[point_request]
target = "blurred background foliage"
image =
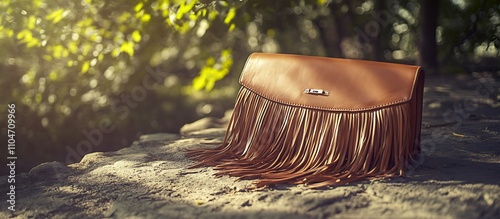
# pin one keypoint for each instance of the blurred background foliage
(93, 75)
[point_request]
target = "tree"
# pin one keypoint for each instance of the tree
(71, 66)
(427, 44)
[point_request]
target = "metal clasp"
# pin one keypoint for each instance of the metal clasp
(317, 92)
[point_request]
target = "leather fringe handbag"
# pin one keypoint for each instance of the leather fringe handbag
(320, 121)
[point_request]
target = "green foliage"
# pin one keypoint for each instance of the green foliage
(213, 71)
(94, 32)
(472, 34)
(70, 64)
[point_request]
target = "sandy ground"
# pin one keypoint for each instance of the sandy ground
(458, 177)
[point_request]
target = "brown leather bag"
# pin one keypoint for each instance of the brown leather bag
(320, 121)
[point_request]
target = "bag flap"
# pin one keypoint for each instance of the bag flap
(338, 84)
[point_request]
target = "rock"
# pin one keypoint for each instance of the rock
(49, 170)
(208, 133)
(207, 123)
(159, 137)
(93, 158)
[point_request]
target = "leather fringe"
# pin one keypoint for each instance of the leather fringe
(276, 143)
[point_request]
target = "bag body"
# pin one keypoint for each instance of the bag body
(320, 121)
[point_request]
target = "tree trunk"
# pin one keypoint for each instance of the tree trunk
(427, 45)
(330, 36)
(377, 42)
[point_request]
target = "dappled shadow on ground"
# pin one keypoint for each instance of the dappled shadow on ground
(458, 171)
(114, 197)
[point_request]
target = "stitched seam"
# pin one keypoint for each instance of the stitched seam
(415, 74)
(326, 108)
(336, 109)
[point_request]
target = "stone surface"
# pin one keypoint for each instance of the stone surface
(458, 176)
